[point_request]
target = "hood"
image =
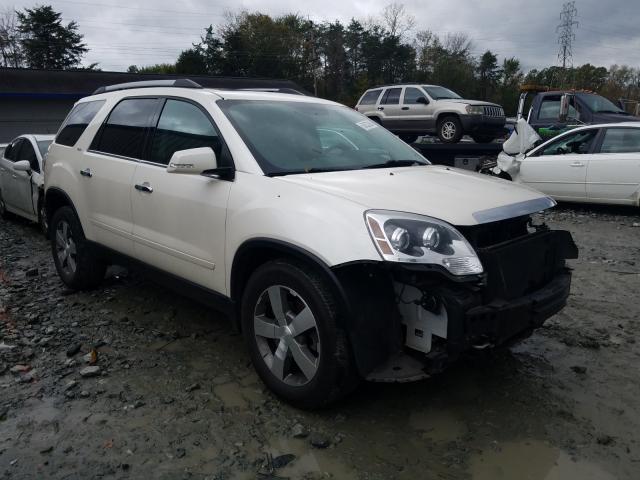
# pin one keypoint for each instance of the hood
(456, 196)
(471, 102)
(614, 118)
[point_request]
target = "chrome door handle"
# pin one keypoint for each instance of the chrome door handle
(86, 173)
(577, 164)
(14, 176)
(144, 187)
(380, 108)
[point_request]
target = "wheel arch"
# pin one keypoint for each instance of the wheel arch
(447, 113)
(256, 252)
(55, 198)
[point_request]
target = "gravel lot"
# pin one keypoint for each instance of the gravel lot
(168, 391)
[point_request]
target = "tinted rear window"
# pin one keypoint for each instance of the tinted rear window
(125, 130)
(370, 98)
(392, 96)
(77, 122)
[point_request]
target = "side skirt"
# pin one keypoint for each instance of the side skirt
(200, 294)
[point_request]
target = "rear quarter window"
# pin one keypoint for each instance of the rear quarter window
(77, 122)
(370, 98)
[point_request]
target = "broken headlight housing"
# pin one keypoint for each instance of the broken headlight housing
(410, 238)
(475, 109)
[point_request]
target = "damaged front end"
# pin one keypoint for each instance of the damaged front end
(409, 320)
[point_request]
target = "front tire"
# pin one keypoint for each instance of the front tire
(450, 129)
(76, 261)
(289, 322)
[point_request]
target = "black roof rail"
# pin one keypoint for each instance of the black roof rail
(398, 85)
(181, 82)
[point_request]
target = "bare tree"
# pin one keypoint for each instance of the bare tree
(10, 51)
(397, 20)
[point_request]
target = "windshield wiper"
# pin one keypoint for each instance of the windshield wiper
(396, 163)
(308, 170)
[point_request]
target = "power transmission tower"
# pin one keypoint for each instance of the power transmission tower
(565, 33)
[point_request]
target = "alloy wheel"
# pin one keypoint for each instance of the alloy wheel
(66, 248)
(286, 333)
(448, 130)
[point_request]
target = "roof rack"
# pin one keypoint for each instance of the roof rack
(181, 82)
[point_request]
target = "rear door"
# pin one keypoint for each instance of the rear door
(108, 168)
(179, 219)
(560, 168)
(613, 174)
(390, 108)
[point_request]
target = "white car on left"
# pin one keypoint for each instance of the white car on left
(22, 177)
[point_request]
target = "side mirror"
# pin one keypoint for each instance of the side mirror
(564, 108)
(198, 161)
(22, 166)
(422, 100)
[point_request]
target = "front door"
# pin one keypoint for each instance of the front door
(179, 219)
(7, 182)
(560, 169)
(416, 116)
(614, 171)
(23, 190)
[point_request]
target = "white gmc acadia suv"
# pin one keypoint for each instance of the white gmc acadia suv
(338, 251)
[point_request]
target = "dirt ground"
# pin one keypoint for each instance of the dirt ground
(175, 397)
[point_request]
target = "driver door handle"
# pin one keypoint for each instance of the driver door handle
(144, 187)
(577, 164)
(405, 108)
(380, 108)
(86, 173)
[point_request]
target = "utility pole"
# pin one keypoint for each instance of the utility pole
(565, 33)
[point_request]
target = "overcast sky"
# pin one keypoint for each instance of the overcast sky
(120, 33)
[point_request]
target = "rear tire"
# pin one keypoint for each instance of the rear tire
(42, 219)
(450, 129)
(77, 263)
(288, 318)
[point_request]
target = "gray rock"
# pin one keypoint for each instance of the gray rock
(319, 441)
(70, 385)
(84, 394)
(299, 431)
(73, 350)
(90, 371)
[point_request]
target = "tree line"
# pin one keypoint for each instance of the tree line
(333, 60)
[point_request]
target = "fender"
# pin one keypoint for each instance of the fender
(373, 330)
(54, 198)
(257, 251)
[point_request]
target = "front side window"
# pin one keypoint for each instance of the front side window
(182, 126)
(77, 121)
(28, 153)
(411, 95)
(550, 109)
(299, 137)
(370, 98)
(598, 104)
(621, 140)
(576, 143)
(126, 127)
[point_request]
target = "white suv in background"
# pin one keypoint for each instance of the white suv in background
(337, 249)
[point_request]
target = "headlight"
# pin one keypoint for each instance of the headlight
(409, 238)
(475, 109)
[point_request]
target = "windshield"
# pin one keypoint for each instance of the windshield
(301, 137)
(598, 104)
(440, 93)
(43, 145)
